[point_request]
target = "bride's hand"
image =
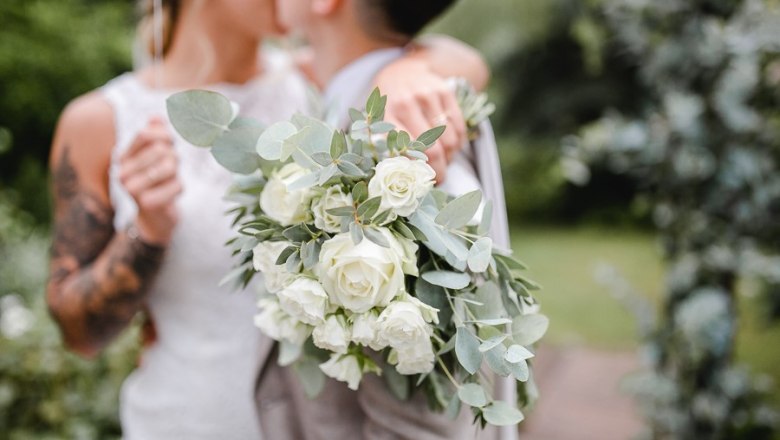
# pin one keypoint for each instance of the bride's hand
(417, 100)
(149, 172)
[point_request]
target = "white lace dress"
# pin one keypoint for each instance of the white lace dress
(197, 380)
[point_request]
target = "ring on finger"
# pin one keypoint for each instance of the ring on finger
(152, 174)
(441, 119)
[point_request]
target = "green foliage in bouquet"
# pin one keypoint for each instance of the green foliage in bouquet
(367, 267)
(706, 153)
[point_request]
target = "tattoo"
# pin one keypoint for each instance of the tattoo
(99, 278)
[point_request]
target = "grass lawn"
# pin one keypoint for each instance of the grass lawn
(564, 262)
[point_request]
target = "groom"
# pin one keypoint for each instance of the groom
(352, 41)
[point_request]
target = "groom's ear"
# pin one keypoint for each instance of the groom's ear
(326, 7)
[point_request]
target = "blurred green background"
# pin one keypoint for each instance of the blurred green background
(553, 72)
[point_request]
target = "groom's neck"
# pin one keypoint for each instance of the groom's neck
(337, 43)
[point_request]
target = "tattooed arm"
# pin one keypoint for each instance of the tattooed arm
(99, 277)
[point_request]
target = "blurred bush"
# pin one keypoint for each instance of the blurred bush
(50, 52)
(706, 153)
(46, 393)
(554, 70)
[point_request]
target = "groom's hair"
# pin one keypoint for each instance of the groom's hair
(398, 20)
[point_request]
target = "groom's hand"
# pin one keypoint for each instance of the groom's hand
(418, 100)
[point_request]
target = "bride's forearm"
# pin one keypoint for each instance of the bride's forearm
(98, 277)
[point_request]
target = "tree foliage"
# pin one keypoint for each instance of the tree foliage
(45, 392)
(705, 151)
(50, 52)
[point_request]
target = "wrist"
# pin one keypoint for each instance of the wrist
(141, 232)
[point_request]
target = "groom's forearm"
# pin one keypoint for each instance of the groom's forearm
(448, 57)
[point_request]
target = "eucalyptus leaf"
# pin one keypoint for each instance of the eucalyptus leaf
(467, 350)
(356, 232)
(199, 116)
(304, 182)
(367, 209)
(327, 173)
(235, 149)
(360, 192)
(519, 370)
(447, 347)
(381, 127)
(447, 279)
(269, 144)
(459, 212)
(473, 394)
(453, 407)
(345, 211)
(356, 115)
(480, 255)
(500, 413)
(432, 135)
(352, 158)
(310, 253)
(496, 362)
(338, 144)
(436, 297)
(382, 217)
(289, 353)
(294, 262)
(398, 383)
(232, 277)
(375, 106)
(492, 343)
(285, 254)
(312, 378)
(517, 353)
(321, 158)
(401, 227)
(297, 233)
(487, 218)
(350, 169)
(490, 296)
(376, 237)
(528, 329)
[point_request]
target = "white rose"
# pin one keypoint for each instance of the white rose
(343, 368)
(417, 359)
(364, 330)
(361, 277)
(332, 198)
(264, 259)
(278, 325)
(284, 206)
(402, 183)
(402, 326)
(305, 300)
(332, 335)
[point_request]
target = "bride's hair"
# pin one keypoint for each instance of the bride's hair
(170, 11)
(145, 47)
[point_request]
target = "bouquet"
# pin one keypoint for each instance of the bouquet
(368, 268)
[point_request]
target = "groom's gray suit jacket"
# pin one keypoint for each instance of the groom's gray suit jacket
(372, 412)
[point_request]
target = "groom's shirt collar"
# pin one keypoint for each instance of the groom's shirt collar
(351, 85)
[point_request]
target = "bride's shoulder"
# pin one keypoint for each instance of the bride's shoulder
(86, 129)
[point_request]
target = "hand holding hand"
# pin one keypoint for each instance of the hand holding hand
(418, 100)
(149, 172)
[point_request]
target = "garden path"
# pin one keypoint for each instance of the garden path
(581, 397)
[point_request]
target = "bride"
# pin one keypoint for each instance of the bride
(138, 224)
